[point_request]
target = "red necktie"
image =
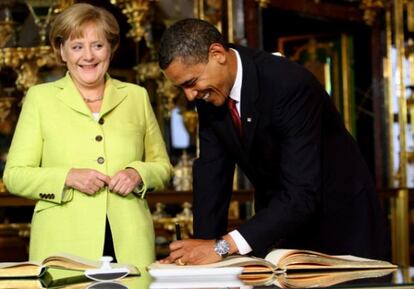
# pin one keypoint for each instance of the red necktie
(235, 116)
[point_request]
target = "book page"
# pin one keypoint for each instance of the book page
(21, 269)
(231, 261)
(325, 279)
(275, 256)
(72, 262)
(305, 259)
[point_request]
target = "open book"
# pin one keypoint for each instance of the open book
(294, 279)
(314, 278)
(61, 261)
(277, 261)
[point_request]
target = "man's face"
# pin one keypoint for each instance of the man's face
(208, 81)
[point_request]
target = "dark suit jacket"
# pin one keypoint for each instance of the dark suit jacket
(313, 189)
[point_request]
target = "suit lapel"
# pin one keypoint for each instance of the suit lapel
(221, 121)
(223, 126)
(249, 112)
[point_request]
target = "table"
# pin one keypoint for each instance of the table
(401, 278)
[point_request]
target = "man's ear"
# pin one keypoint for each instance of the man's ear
(218, 52)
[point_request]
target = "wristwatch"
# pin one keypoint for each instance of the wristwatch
(222, 247)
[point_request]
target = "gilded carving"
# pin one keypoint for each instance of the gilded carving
(137, 13)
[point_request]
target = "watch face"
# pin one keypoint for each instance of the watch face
(222, 247)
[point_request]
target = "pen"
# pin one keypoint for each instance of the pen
(177, 231)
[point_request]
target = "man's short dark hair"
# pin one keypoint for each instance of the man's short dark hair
(189, 39)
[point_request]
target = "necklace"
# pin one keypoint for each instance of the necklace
(88, 100)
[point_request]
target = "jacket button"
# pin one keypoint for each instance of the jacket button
(100, 160)
(101, 121)
(98, 138)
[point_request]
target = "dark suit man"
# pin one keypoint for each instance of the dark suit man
(313, 189)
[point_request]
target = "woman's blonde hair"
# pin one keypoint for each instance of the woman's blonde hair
(70, 24)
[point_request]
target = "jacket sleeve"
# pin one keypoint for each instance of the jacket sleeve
(155, 168)
(23, 174)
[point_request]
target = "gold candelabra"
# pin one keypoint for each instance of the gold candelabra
(137, 12)
(184, 218)
(42, 21)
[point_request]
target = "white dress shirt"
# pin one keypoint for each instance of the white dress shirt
(235, 94)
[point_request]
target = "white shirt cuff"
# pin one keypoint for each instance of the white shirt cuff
(241, 243)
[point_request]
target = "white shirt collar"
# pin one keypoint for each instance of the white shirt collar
(235, 92)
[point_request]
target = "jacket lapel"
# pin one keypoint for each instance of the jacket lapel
(71, 97)
(222, 122)
(113, 96)
(223, 126)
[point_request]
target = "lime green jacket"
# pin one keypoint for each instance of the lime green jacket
(56, 132)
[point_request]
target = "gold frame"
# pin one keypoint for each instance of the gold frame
(203, 9)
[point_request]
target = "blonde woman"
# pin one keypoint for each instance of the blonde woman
(88, 148)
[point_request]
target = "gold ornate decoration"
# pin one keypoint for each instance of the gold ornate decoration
(263, 3)
(6, 30)
(167, 223)
(42, 21)
(61, 5)
(183, 177)
(27, 61)
(211, 11)
(6, 27)
(169, 92)
(159, 212)
(148, 70)
(6, 104)
(137, 12)
(190, 118)
(370, 8)
(184, 219)
(410, 15)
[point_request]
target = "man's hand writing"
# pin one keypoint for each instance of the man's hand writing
(192, 252)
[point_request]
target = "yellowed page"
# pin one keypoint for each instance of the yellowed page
(288, 259)
(20, 269)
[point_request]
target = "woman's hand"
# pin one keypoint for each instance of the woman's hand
(124, 181)
(86, 180)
